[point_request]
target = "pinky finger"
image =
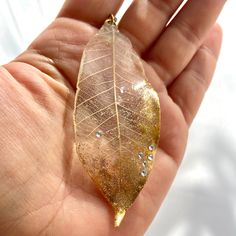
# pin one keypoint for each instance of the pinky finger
(188, 90)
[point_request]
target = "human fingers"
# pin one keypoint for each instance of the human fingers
(188, 89)
(145, 20)
(182, 38)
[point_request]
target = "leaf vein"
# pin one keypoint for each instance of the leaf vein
(124, 78)
(95, 73)
(145, 118)
(97, 58)
(100, 125)
(131, 130)
(95, 113)
(94, 96)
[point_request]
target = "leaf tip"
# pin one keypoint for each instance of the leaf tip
(119, 215)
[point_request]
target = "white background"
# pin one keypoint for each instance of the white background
(202, 200)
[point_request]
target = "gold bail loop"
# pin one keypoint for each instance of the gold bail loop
(111, 20)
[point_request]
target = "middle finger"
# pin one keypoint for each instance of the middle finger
(145, 20)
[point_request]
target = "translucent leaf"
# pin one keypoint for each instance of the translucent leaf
(116, 118)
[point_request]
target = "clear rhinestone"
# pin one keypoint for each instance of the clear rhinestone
(144, 163)
(151, 147)
(99, 134)
(143, 173)
(122, 89)
(150, 157)
(141, 155)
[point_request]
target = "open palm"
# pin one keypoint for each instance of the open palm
(43, 188)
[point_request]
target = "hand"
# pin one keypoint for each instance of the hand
(43, 188)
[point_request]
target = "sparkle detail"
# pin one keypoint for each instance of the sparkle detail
(141, 155)
(150, 157)
(151, 147)
(122, 89)
(99, 134)
(143, 173)
(144, 163)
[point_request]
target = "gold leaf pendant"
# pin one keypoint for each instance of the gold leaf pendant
(116, 118)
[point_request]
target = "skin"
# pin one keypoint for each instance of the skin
(43, 188)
